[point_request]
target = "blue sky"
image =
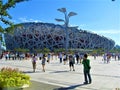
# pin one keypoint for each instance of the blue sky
(99, 16)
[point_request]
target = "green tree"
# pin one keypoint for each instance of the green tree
(5, 16)
(46, 50)
(99, 51)
(59, 50)
(115, 50)
(38, 50)
(24, 50)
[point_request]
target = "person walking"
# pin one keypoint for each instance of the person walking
(60, 57)
(34, 59)
(43, 62)
(86, 70)
(48, 57)
(65, 58)
(104, 58)
(71, 62)
(77, 58)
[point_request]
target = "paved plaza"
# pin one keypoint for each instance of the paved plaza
(58, 77)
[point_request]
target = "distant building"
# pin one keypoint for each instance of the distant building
(46, 35)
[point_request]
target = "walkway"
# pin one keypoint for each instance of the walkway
(58, 76)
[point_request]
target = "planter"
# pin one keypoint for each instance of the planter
(15, 88)
(10, 88)
(13, 79)
(25, 86)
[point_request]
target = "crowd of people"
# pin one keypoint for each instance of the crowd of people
(107, 57)
(63, 57)
(71, 59)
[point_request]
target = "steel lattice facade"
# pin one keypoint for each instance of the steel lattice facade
(46, 35)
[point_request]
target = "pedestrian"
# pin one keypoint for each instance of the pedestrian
(77, 58)
(48, 57)
(74, 56)
(71, 62)
(60, 57)
(104, 58)
(87, 67)
(40, 55)
(6, 56)
(43, 62)
(64, 58)
(34, 59)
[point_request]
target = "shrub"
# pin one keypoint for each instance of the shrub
(13, 78)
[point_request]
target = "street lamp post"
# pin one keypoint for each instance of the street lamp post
(66, 22)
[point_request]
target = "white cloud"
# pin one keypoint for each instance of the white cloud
(107, 31)
(28, 20)
(14, 21)
(23, 19)
(82, 25)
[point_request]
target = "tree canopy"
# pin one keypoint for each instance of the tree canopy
(5, 16)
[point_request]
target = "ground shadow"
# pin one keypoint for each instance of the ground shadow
(59, 71)
(30, 72)
(69, 88)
